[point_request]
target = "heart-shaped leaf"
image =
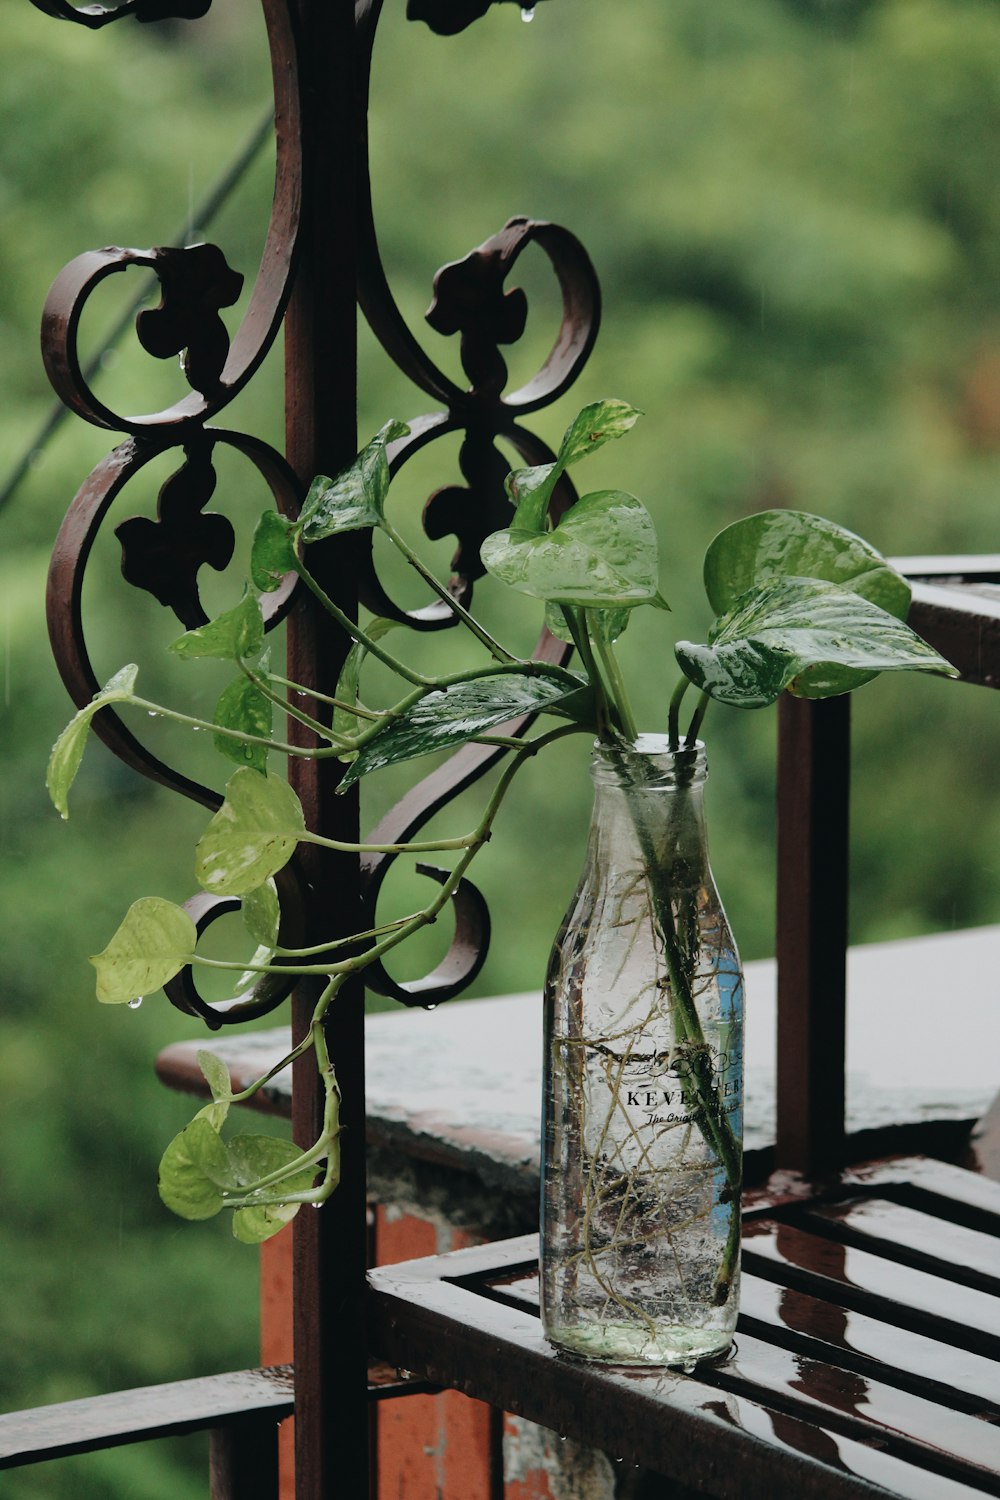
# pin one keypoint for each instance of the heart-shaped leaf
(355, 499)
(602, 624)
(243, 706)
(216, 1075)
(200, 1172)
(796, 633)
(596, 425)
(195, 1170)
(237, 635)
(250, 838)
(153, 943)
(256, 1156)
(67, 752)
(272, 555)
(261, 913)
(345, 722)
(794, 544)
(603, 554)
(458, 714)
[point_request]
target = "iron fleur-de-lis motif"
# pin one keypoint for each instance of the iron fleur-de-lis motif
(164, 556)
(196, 283)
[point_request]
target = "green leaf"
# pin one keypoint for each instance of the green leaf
(237, 635)
(250, 838)
(153, 943)
(789, 543)
(263, 954)
(199, 1171)
(195, 1170)
(530, 490)
(797, 633)
(216, 1075)
(253, 1157)
(354, 500)
(344, 722)
(215, 1113)
(606, 624)
(793, 544)
(459, 713)
(243, 706)
(67, 752)
(596, 425)
(261, 913)
(272, 555)
(603, 554)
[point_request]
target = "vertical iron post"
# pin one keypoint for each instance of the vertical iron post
(331, 1447)
(813, 799)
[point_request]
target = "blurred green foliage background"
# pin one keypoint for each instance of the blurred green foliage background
(792, 208)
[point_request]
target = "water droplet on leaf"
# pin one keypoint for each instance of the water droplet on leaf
(134, 1004)
(527, 13)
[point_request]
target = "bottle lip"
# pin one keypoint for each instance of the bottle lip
(649, 764)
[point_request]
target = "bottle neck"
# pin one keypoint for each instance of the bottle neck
(648, 804)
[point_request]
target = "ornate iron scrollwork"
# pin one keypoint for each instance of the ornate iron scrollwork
(164, 556)
(143, 10)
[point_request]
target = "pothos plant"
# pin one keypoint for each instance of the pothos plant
(801, 606)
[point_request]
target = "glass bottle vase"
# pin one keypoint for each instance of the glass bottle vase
(643, 1115)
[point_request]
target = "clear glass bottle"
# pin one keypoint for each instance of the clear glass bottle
(643, 1122)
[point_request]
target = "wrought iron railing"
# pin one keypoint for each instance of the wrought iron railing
(321, 259)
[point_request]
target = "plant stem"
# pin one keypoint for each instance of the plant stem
(708, 1114)
(357, 634)
(341, 703)
(673, 717)
(159, 711)
(458, 609)
(617, 684)
(696, 718)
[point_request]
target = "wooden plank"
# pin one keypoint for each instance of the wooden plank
(850, 1340)
(914, 1299)
(912, 1237)
(856, 1341)
(915, 1429)
(151, 1411)
(962, 1196)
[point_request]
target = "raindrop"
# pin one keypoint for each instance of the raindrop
(527, 13)
(153, 714)
(134, 1004)
(432, 1006)
(248, 752)
(689, 1366)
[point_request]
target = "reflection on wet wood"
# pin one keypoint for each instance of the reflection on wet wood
(913, 1237)
(912, 1361)
(844, 1274)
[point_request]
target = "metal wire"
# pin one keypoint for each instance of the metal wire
(203, 214)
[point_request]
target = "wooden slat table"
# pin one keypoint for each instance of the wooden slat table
(847, 1379)
(867, 1359)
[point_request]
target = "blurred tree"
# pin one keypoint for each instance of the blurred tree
(790, 206)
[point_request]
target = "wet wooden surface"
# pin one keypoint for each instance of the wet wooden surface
(461, 1086)
(854, 1373)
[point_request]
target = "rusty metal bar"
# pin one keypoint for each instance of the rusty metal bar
(331, 1419)
(813, 803)
(243, 1460)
